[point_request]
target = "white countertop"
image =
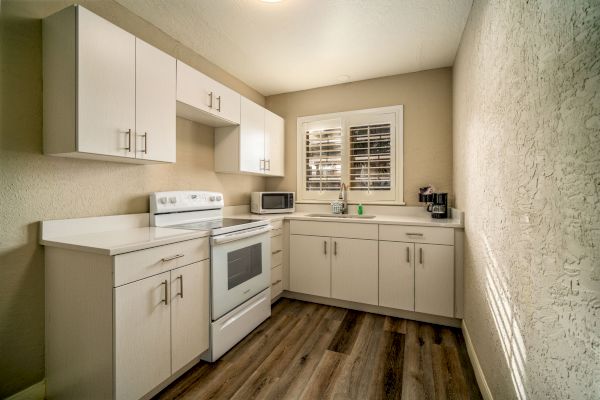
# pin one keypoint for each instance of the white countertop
(118, 234)
(379, 219)
(123, 241)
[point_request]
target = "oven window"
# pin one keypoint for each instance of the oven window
(274, 201)
(243, 264)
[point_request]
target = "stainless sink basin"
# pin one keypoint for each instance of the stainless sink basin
(326, 215)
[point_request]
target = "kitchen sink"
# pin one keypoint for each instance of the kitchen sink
(328, 215)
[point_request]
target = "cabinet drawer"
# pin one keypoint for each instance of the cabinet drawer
(277, 225)
(335, 229)
(276, 281)
(417, 234)
(276, 258)
(136, 265)
(276, 243)
(276, 232)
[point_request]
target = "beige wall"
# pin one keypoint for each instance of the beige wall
(34, 187)
(527, 175)
(427, 100)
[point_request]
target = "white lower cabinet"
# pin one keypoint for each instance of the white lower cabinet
(310, 265)
(397, 275)
(142, 336)
(120, 326)
(434, 279)
(161, 324)
(390, 266)
(189, 313)
(354, 270)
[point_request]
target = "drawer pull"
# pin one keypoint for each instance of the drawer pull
(414, 234)
(172, 257)
(276, 282)
(166, 299)
(276, 252)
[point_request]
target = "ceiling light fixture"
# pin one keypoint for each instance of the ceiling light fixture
(271, 1)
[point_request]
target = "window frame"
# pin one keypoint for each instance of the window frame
(392, 197)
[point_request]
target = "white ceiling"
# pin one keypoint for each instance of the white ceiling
(301, 44)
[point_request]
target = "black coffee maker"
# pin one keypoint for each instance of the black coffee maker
(437, 204)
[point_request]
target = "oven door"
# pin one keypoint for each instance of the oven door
(240, 268)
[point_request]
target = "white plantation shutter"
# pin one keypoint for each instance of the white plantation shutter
(362, 148)
(323, 156)
(370, 157)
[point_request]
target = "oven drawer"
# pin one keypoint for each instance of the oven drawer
(276, 281)
(137, 265)
(417, 234)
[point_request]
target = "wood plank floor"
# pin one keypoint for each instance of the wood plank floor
(312, 351)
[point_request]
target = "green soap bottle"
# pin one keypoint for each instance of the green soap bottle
(360, 209)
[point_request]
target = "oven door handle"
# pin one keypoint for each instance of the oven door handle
(238, 236)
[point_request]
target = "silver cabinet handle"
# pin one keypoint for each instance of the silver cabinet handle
(172, 257)
(210, 96)
(268, 165)
(276, 282)
(335, 248)
(407, 254)
(276, 252)
(128, 133)
(180, 277)
(325, 246)
(145, 149)
(262, 165)
(166, 299)
(219, 103)
(414, 234)
(420, 255)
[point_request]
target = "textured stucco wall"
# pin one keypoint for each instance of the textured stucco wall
(427, 100)
(527, 174)
(34, 187)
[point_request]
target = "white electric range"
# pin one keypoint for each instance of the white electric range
(240, 297)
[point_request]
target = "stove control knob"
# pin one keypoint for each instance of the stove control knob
(172, 200)
(219, 198)
(162, 200)
(212, 198)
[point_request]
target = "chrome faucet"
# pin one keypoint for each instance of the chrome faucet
(344, 198)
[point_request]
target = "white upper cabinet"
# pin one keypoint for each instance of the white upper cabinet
(155, 79)
(202, 99)
(274, 144)
(252, 137)
(107, 95)
(105, 87)
(255, 146)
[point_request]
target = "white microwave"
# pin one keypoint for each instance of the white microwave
(272, 202)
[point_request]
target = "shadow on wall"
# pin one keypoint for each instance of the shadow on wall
(507, 325)
(22, 314)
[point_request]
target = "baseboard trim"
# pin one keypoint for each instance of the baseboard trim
(36, 391)
(392, 312)
(481, 381)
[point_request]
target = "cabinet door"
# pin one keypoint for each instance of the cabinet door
(155, 103)
(142, 336)
(310, 270)
(274, 143)
(354, 270)
(252, 137)
(397, 275)
(189, 313)
(226, 103)
(434, 279)
(194, 88)
(105, 87)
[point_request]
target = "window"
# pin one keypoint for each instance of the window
(360, 148)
